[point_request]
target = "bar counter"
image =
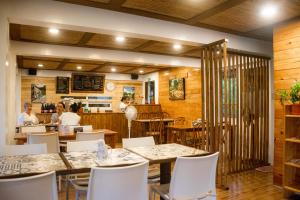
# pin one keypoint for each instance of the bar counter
(115, 121)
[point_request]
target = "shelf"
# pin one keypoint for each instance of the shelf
(294, 116)
(292, 140)
(292, 164)
(293, 188)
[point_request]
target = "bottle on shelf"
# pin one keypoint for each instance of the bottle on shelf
(42, 108)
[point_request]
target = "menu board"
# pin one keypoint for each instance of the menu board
(88, 83)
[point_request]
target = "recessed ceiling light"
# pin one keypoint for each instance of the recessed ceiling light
(6, 63)
(40, 65)
(79, 67)
(53, 31)
(177, 46)
(120, 39)
(141, 71)
(218, 52)
(269, 11)
(113, 69)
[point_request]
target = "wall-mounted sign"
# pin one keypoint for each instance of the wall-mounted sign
(62, 85)
(88, 83)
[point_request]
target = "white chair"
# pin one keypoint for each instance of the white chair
(90, 145)
(30, 188)
(84, 136)
(126, 183)
(50, 139)
(26, 149)
(154, 172)
(138, 142)
(80, 181)
(193, 178)
(33, 129)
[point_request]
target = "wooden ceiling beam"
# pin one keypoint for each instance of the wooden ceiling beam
(116, 4)
(215, 10)
(20, 61)
(85, 38)
(62, 64)
(100, 67)
(15, 31)
(128, 70)
(144, 45)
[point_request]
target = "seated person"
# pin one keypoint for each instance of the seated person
(27, 117)
(70, 118)
(60, 108)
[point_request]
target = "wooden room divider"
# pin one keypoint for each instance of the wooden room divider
(235, 108)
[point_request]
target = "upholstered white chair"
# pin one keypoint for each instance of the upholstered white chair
(138, 142)
(33, 129)
(153, 173)
(80, 181)
(26, 149)
(126, 183)
(50, 139)
(193, 178)
(84, 136)
(29, 188)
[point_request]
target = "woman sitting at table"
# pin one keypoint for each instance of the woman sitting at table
(70, 118)
(27, 117)
(60, 108)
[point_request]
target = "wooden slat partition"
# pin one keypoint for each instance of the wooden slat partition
(235, 105)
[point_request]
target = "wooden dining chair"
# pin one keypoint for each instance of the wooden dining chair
(192, 178)
(179, 137)
(119, 183)
(156, 128)
(30, 188)
(200, 140)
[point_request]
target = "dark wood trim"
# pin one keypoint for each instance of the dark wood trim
(116, 4)
(85, 38)
(215, 10)
(144, 45)
(20, 61)
(15, 31)
(62, 64)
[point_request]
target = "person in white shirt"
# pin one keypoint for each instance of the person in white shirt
(124, 103)
(60, 108)
(27, 117)
(70, 118)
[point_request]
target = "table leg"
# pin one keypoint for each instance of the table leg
(165, 173)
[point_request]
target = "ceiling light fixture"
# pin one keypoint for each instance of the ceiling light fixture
(113, 69)
(6, 63)
(53, 31)
(40, 65)
(120, 39)
(141, 71)
(269, 11)
(177, 46)
(79, 67)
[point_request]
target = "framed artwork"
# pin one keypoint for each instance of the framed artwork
(62, 85)
(88, 83)
(38, 93)
(129, 92)
(177, 89)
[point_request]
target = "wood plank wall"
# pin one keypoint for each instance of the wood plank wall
(190, 108)
(286, 73)
(51, 95)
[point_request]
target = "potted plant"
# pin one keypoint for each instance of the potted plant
(295, 98)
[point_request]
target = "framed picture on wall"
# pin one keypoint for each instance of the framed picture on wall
(62, 85)
(85, 82)
(177, 89)
(38, 93)
(129, 92)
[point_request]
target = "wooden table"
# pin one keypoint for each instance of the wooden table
(145, 125)
(28, 165)
(180, 129)
(110, 136)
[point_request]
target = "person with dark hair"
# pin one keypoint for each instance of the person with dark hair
(27, 117)
(60, 108)
(124, 103)
(71, 117)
